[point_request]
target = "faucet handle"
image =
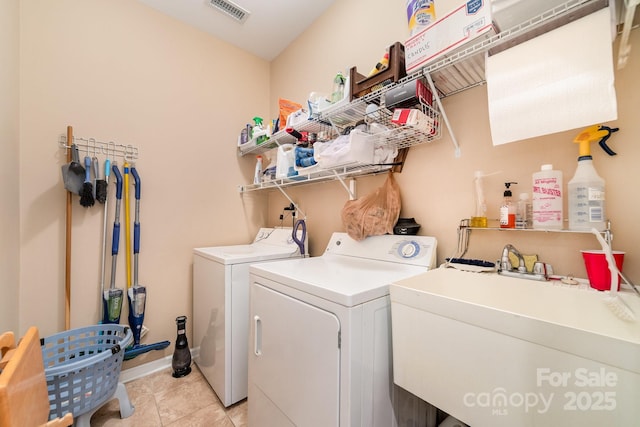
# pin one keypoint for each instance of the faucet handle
(542, 268)
(539, 267)
(505, 263)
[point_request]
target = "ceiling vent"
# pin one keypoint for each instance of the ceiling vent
(230, 9)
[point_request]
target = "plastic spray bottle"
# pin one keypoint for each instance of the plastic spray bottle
(339, 82)
(508, 209)
(258, 132)
(257, 176)
(587, 188)
(479, 217)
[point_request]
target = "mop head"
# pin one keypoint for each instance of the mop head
(101, 190)
(86, 195)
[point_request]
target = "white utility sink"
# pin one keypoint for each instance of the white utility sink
(501, 351)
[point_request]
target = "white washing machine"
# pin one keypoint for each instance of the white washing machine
(320, 333)
(221, 307)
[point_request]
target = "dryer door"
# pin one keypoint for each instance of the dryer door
(294, 360)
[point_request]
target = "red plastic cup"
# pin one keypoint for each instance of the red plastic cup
(598, 269)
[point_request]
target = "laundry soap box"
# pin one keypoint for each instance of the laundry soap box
(451, 31)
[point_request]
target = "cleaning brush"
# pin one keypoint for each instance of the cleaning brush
(615, 303)
(86, 194)
(101, 183)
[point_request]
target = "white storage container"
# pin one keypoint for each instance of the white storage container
(285, 160)
(355, 148)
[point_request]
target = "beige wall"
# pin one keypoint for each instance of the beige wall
(118, 70)
(437, 187)
(121, 71)
(9, 170)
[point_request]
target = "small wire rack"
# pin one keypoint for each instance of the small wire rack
(82, 367)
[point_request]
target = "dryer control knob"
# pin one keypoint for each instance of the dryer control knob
(409, 249)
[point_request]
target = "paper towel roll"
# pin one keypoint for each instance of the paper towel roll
(557, 81)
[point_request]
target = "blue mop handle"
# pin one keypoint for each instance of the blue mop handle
(116, 172)
(87, 169)
(136, 223)
(115, 243)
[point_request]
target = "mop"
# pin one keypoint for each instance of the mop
(137, 293)
(112, 297)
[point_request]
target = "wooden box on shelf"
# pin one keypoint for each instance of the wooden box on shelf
(362, 85)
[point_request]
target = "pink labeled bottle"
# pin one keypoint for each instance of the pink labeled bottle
(547, 199)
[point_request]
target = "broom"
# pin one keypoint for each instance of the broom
(86, 194)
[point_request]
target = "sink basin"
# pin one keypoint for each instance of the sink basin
(493, 350)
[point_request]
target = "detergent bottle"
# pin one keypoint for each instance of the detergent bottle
(587, 188)
(380, 66)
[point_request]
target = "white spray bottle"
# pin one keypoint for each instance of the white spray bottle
(586, 188)
(257, 175)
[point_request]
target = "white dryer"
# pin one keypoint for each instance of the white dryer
(320, 333)
(221, 307)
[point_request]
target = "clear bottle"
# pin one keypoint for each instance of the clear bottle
(547, 198)
(523, 212)
(508, 209)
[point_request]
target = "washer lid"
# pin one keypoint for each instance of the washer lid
(237, 254)
(348, 281)
(269, 243)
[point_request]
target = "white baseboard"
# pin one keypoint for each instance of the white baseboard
(151, 367)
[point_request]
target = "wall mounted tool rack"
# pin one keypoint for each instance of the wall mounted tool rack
(92, 146)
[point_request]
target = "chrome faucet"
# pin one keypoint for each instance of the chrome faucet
(505, 263)
(541, 272)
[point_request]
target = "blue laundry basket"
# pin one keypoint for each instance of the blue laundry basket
(82, 367)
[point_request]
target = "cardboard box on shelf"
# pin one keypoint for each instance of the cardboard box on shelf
(413, 118)
(449, 33)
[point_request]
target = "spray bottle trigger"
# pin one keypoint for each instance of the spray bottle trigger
(593, 133)
(603, 141)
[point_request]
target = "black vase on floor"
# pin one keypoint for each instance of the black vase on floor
(181, 362)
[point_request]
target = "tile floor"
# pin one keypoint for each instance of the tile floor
(161, 400)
